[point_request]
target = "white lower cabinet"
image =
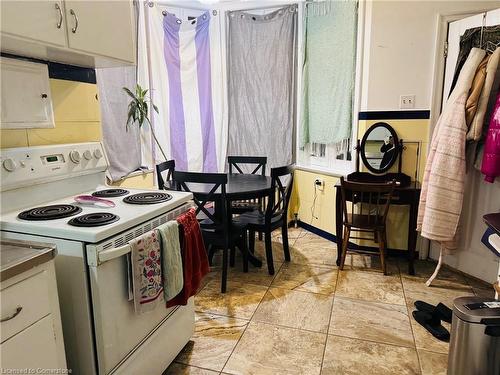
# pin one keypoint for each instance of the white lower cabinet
(31, 348)
(30, 327)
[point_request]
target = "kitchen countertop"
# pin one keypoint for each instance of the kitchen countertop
(19, 256)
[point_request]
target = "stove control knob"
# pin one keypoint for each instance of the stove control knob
(75, 156)
(97, 153)
(87, 155)
(10, 165)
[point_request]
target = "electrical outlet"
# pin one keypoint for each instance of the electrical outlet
(319, 183)
(407, 101)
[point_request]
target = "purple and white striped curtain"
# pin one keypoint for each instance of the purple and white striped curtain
(186, 78)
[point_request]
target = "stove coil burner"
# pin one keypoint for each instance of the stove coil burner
(95, 219)
(147, 198)
(57, 211)
(110, 193)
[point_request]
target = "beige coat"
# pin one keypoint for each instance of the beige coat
(476, 126)
(444, 176)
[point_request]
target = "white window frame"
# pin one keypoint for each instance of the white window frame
(327, 164)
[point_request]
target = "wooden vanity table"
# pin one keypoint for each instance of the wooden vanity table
(407, 192)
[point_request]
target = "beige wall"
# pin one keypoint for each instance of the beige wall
(399, 49)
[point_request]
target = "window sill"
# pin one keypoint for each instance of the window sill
(327, 172)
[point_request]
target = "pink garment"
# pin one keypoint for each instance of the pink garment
(442, 192)
(491, 158)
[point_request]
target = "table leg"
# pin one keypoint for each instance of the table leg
(256, 262)
(412, 234)
(338, 223)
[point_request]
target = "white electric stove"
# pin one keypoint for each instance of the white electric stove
(102, 333)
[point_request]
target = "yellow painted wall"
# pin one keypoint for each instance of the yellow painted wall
(319, 212)
(141, 181)
(324, 208)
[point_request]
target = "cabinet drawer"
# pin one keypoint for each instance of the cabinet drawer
(33, 348)
(28, 298)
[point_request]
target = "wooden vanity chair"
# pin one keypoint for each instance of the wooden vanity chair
(368, 214)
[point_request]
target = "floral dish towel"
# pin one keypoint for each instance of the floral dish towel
(146, 272)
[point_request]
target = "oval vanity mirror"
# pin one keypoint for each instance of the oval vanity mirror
(379, 147)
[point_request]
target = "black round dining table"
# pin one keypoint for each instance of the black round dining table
(239, 187)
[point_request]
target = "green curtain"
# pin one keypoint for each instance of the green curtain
(329, 65)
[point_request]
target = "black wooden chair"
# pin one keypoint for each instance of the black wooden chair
(275, 215)
(368, 214)
(216, 225)
(164, 173)
(235, 163)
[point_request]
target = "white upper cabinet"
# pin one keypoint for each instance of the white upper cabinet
(26, 100)
(101, 27)
(41, 20)
(84, 32)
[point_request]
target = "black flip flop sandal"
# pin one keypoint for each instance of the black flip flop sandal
(443, 312)
(432, 324)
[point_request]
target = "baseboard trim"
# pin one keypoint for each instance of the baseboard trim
(333, 238)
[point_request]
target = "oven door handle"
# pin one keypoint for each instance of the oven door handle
(110, 254)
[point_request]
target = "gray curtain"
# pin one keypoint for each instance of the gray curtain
(261, 62)
(123, 147)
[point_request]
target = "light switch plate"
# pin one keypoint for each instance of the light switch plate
(407, 101)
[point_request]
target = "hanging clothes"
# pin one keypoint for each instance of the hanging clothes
(261, 64)
(328, 72)
(185, 75)
(475, 91)
(444, 175)
(472, 39)
(194, 258)
(491, 159)
(488, 91)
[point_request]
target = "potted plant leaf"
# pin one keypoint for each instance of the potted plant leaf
(138, 111)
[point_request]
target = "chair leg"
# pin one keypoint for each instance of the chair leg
(232, 256)
(210, 255)
(269, 253)
(345, 242)
(251, 241)
(381, 246)
(224, 270)
(284, 234)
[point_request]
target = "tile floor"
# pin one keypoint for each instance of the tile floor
(311, 318)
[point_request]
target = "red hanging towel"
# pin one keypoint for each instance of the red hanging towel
(194, 257)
